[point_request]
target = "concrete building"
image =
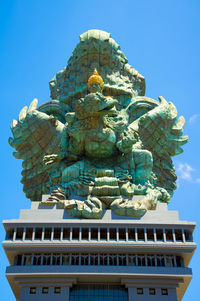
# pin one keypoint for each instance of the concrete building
(55, 257)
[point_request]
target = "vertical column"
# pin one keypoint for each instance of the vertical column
(146, 263)
(89, 236)
(126, 234)
(145, 234)
(43, 230)
(33, 237)
(67, 294)
(80, 233)
(136, 234)
(117, 233)
(174, 236)
(136, 260)
(126, 259)
(14, 234)
(22, 262)
(108, 234)
(183, 235)
(70, 235)
(52, 233)
(175, 263)
(98, 234)
(42, 259)
(164, 235)
(130, 293)
(61, 234)
(154, 234)
(24, 233)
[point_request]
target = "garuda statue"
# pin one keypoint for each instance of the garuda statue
(99, 143)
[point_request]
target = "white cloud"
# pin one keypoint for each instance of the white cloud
(185, 171)
(193, 118)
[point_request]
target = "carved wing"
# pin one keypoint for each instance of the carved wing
(35, 135)
(161, 133)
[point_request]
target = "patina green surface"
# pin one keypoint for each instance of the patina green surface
(98, 147)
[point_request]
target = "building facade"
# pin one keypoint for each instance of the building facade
(53, 256)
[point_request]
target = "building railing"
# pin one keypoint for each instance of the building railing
(99, 259)
(98, 233)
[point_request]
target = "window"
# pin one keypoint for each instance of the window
(113, 233)
(57, 290)
(29, 233)
(56, 234)
(122, 234)
(131, 234)
(140, 234)
(45, 290)
(94, 233)
(140, 291)
(19, 233)
(9, 234)
(169, 235)
(152, 291)
(150, 234)
(188, 235)
(38, 233)
(103, 233)
(164, 291)
(178, 234)
(85, 233)
(159, 234)
(32, 290)
(47, 233)
(75, 233)
(66, 233)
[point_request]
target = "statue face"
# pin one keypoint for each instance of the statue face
(95, 87)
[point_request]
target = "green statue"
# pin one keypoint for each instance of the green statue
(99, 143)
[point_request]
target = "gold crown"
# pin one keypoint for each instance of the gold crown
(95, 78)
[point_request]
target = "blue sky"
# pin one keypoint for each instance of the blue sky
(160, 40)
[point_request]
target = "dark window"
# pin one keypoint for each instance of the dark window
(178, 261)
(140, 234)
(103, 233)
(32, 290)
(94, 233)
(38, 233)
(75, 233)
(57, 290)
(19, 233)
(152, 291)
(47, 233)
(45, 290)
(57, 232)
(164, 291)
(29, 233)
(178, 234)
(19, 260)
(113, 233)
(159, 234)
(131, 234)
(9, 233)
(140, 291)
(85, 233)
(169, 235)
(122, 234)
(150, 234)
(188, 235)
(66, 233)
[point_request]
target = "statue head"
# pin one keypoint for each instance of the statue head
(95, 82)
